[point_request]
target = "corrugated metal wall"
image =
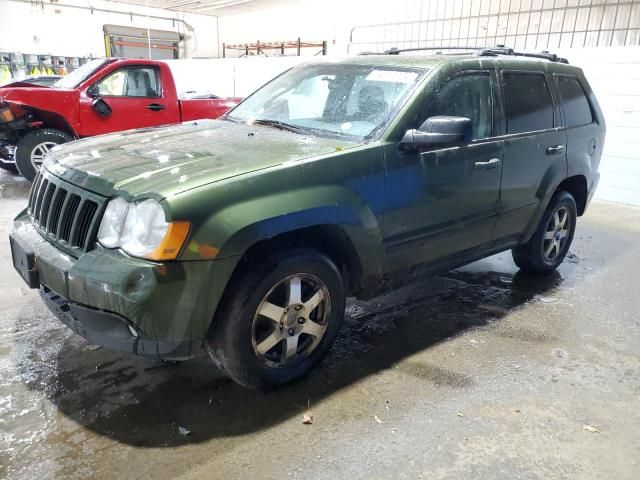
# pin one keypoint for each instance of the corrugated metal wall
(522, 24)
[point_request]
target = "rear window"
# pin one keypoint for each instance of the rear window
(528, 102)
(576, 106)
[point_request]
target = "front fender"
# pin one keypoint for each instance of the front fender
(233, 230)
(56, 108)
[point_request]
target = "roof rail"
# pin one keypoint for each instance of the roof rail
(502, 50)
(482, 51)
(398, 51)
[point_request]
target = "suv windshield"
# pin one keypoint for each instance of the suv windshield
(333, 100)
(79, 75)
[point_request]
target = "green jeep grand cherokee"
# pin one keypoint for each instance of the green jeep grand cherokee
(244, 235)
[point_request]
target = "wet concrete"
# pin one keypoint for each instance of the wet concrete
(478, 373)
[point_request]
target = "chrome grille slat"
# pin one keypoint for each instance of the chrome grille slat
(41, 191)
(70, 218)
(45, 210)
(56, 208)
(85, 219)
(64, 214)
(34, 188)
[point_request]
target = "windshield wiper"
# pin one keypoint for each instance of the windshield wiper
(281, 125)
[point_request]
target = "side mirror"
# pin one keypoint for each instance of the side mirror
(92, 91)
(440, 130)
(101, 107)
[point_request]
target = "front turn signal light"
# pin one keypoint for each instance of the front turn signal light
(171, 244)
(6, 115)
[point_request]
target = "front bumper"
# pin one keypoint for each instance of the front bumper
(147, 308)
(116, 332)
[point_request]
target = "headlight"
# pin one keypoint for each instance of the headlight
(112, 223)
(141, 230)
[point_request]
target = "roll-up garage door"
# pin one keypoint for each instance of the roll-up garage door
(134, 43)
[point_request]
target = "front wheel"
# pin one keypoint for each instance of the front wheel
(279, 319)
(32, 149)
(548, 246)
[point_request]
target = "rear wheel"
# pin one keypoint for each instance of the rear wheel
(32, 149)
(278, 320)
(550, 243)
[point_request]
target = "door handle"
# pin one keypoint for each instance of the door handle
(156, 107)
(488, 165)
(555, 150)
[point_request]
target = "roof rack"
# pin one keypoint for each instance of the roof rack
(481, 51)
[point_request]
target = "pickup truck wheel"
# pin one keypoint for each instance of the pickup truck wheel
(32, 149)
(279, 319)
(550, 243)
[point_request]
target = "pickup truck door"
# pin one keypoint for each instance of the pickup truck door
(444, 200)
(137, 97)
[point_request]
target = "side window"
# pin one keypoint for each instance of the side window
(467, 95)
(576, 106)
(528, 102)
(130, 82)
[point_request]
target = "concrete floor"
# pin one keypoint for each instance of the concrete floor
(479, 373)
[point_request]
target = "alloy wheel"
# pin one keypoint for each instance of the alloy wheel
(291, 320)
(556, 234)
(39, 153)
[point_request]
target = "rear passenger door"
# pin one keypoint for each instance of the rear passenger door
(534, 148)
(583, 131)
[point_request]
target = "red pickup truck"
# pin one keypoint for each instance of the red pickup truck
(102, 96)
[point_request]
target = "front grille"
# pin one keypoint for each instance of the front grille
(64, 214)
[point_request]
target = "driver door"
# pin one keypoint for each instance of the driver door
(444, 199)
(135, 96)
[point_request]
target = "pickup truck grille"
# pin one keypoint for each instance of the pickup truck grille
(64, 214)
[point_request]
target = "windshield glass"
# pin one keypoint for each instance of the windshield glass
(329, 99)
(79, 75)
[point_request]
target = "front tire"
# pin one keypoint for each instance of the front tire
(279, 319)
(548, 246)
(32, 149)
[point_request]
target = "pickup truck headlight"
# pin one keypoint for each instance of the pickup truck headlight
(140, 229)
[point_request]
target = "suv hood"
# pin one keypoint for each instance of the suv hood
(165, 161)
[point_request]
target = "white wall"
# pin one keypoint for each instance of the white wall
(329, 20)
(614, 75)
(58, 30)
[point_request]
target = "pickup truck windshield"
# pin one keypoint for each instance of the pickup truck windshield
(79, 75)
(330, 100)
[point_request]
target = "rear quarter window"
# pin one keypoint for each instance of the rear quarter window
(529, 106)
(577, 109)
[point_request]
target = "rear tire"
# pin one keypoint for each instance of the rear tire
(548, 246)
(32, 148)
(279, 319)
